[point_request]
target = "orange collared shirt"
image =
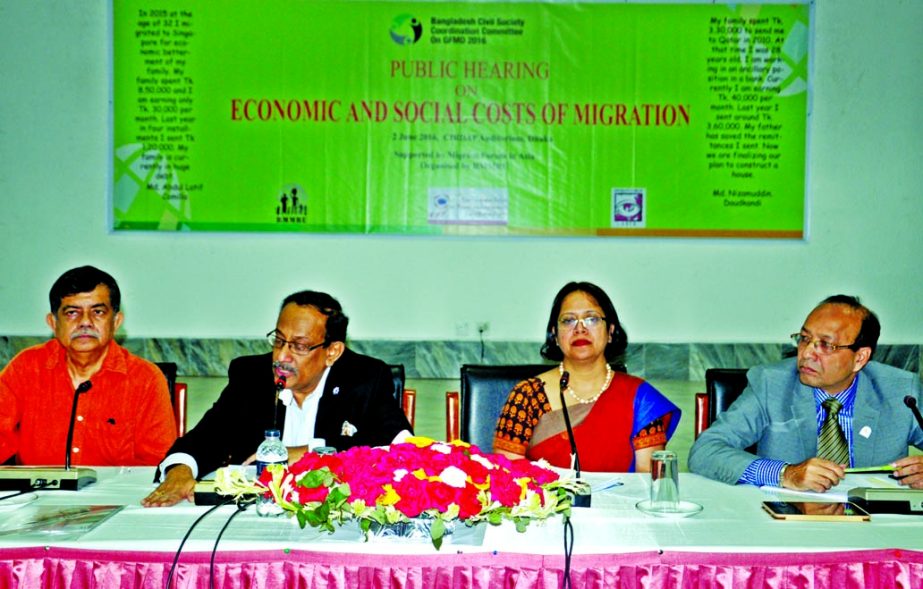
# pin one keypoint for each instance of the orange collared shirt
(125, 419)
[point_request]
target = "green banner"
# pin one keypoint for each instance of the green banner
(460, 118)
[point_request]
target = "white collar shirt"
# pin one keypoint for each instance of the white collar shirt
(300, 421)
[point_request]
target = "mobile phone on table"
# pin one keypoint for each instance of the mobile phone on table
(816, 511)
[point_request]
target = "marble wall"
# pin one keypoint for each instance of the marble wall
(442, 359)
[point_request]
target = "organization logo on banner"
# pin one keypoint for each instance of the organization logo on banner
(292, 205)
(469, 206)
(628, 207)
(406, 29)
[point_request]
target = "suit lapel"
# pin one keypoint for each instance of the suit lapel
(805, 412)
(329, 407)
(865, 420)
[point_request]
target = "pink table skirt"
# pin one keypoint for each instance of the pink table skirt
(49, 568)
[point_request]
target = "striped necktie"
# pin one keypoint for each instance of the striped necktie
(831, 443)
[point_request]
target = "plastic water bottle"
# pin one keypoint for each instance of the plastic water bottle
(271, 451)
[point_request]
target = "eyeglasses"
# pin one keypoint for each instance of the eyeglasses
(823, 347)
(297, 348)
(570, 322)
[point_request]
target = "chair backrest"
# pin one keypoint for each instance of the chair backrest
(701, 414)
(407, 398)
(178, 392)
(169, 372)
(452, 415)
(723, 386)
(409, 405)
(484, 390)
(397, 375)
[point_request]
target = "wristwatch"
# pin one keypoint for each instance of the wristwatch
(782, 474)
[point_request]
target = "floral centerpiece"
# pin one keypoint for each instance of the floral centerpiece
(420, 478)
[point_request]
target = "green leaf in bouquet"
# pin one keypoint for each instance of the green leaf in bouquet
(313, 479)
(437, 531)
(319, 517)
(338, 495)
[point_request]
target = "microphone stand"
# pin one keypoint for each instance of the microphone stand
(901, 500)
(584, 499)
(33, 478)
(280, 386)
(81, 388)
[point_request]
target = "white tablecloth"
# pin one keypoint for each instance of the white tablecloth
(732, 523)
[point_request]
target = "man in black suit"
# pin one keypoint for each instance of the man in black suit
(330, 392)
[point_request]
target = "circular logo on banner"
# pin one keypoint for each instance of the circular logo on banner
(406, 29)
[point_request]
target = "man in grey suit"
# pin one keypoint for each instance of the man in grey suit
(805, 441)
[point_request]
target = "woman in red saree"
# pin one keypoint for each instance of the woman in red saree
(618, 420)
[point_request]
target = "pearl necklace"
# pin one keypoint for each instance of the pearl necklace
(595, 397)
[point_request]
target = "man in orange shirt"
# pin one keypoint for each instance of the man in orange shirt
(124, 415)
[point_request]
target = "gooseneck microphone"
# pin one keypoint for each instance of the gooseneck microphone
(565, 379)
(280, 386)
(912, 405)
(579, 500)
(81, 388)
(47, 478)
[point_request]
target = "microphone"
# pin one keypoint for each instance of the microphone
(280, 386)
(912, 405)
(33, 478)
(903, 500)
(82, 388)
(579, 500)
(565, 379)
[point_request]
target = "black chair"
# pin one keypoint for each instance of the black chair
(169, 372)
(178, 392)
(397, 375)
(722, 387)
(484, 390)
(406, 397)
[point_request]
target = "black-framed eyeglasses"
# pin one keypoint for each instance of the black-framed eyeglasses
(297, 348)
(822, 346)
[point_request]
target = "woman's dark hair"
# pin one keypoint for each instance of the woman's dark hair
(615, 350)
(335, 328)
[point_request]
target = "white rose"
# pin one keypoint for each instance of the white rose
(483, 461)
(453, 477)
(441, 447)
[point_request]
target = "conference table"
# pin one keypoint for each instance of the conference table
(732, 542)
